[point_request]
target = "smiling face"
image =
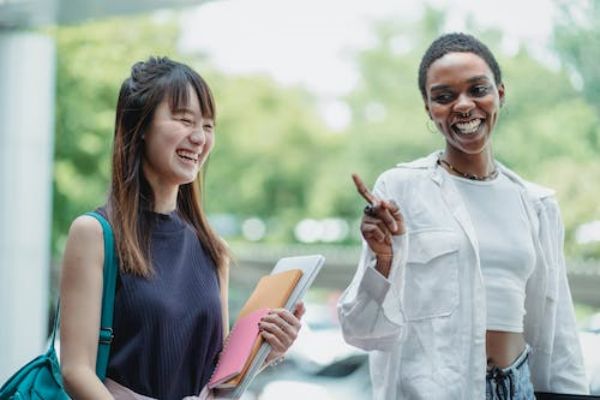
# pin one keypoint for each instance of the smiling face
(176, 143)
(464, 101)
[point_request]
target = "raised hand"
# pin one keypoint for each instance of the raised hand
(382, 219)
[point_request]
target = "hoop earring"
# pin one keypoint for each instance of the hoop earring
(431, 128)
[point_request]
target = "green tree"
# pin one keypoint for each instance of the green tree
(93, 59)
(577, 41)
(544, 128)
(274, 156)
(270, 139)
(270, 144)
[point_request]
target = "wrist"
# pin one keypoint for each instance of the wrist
(384, 256)
(384, 263)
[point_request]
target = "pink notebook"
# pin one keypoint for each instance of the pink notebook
(237, 348)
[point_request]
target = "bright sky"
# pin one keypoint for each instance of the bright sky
(308, 42)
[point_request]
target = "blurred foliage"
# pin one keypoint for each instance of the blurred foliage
(270, 146)
(93, 60)
(270, 139)
(275, 157)
(577, 40)
(548, 132)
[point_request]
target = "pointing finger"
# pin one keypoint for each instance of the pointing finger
(362, 190)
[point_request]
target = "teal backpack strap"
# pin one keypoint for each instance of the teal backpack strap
(108, 296)
(55, 328)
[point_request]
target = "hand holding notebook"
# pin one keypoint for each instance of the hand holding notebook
(307, 268)
(238, 348)
(280, 328)
(244, 341)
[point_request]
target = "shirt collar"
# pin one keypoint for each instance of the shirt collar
(430, 163)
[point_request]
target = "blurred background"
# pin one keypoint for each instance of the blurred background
(307, 92)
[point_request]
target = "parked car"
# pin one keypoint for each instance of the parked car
(319, 366)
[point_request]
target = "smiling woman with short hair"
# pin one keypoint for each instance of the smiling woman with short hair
(461, 291)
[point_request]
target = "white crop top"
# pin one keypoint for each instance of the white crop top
(505, 247)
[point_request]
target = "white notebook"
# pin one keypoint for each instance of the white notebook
(310, 266)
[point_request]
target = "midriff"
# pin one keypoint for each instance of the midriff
(502, 348)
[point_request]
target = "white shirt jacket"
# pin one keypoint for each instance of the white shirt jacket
(425, 325)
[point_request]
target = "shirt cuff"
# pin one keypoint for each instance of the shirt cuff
(375, 285)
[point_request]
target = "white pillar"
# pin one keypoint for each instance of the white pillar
(27, 84)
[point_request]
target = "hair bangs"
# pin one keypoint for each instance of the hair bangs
(177, 86)
(205, 97)
(176, 89)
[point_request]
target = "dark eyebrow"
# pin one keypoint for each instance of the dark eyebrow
(439, 87)
(474, 79)
(478, 78)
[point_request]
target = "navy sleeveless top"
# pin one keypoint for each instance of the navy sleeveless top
(168, 328)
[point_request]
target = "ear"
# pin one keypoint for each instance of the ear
(501, 93)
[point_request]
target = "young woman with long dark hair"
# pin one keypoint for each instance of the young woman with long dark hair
(171, 313)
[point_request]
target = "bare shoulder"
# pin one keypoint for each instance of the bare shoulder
(86, 226)
(85, 244)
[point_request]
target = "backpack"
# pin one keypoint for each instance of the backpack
(41, 377)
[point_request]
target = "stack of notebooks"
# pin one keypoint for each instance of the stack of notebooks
(245, 350)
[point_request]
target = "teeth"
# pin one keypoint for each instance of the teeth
(188, 154)
(468, 127)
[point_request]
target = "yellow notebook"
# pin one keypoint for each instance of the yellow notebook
(272, 291)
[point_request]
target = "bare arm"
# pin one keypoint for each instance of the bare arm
(81, 304)
(224, 285)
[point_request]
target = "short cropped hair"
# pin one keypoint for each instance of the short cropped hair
(453, 43)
